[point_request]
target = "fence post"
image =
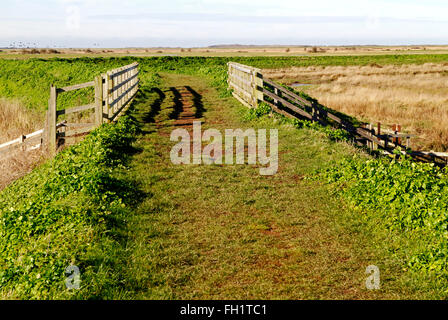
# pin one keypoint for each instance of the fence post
(22, 141)
(378, 132)
(98, 100)
(52, 118)
(369, 142)
(229, 74)
(107, 93)
(258, 95)
(276, 92)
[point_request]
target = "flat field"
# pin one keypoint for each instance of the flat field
(225, 51)
(412, 95)
(140, 227)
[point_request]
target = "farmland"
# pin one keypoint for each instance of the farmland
(224, 51)
(141, 228)
(415, 96)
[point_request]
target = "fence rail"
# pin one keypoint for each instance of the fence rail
(119, 88)
(250, 87)
(114, 92)
(246, 83)
(28, 142)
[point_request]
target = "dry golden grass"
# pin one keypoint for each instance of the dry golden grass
(415, 96)
(18, 165)
(15, 120)
(224, 51)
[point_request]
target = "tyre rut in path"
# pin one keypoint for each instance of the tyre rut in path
(188, 115)
(225, 232)
(187, 107)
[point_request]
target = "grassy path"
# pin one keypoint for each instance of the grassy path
(225, 232)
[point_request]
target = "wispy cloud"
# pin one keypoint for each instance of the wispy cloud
(201, 22)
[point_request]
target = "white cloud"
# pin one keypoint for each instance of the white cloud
(211, 21)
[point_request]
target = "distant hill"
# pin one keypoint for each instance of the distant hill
(245, 46)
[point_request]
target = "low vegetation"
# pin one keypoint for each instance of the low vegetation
(225, 232)
(65, 213)
(224, 51)
(264, 109)
(409, 197)
(29, 80)
(414, 96)
(17, 120)
(84, 207)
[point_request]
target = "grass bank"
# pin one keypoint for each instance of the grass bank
(29, 80)
(414, 96)
(225, 232)
(140, 227)
(67, 212)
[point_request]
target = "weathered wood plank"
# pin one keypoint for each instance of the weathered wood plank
(119, 112)
(22, 142)
(288, 104)
(242, 100)
(76, 87)
(10, 143)
(36, 133)
(238, 78)
(75, 109)
(243, 91)
(282, 112)
(98, 100)
(120, 71)
(125, 82)
(78, 125)
(241, 67)
(292, 95)
(52, 118)
(113, 103)
(76, 131)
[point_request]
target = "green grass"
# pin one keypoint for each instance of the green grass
(407, 197)
(225, 232)
(29, 80)
(68, 211)
(140, 227)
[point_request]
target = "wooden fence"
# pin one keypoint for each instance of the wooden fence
(250, 87)
(245, 81)
(24, 143)
(114, 92)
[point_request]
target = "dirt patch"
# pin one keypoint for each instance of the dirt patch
(189, 113)
(17, 166)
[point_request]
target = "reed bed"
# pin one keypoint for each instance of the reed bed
(415, 96)
(16, 120)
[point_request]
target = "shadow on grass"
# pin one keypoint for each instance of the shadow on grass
(178, 106)
(197, 101)
(149, 117)
(142, 111)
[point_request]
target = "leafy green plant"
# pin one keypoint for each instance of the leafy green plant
(64, 213)
(256, 113)
(412, 198)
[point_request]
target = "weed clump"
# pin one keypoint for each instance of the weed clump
(411, 197)
(65, 213)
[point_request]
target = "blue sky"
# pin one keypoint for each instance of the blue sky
(189, 23)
